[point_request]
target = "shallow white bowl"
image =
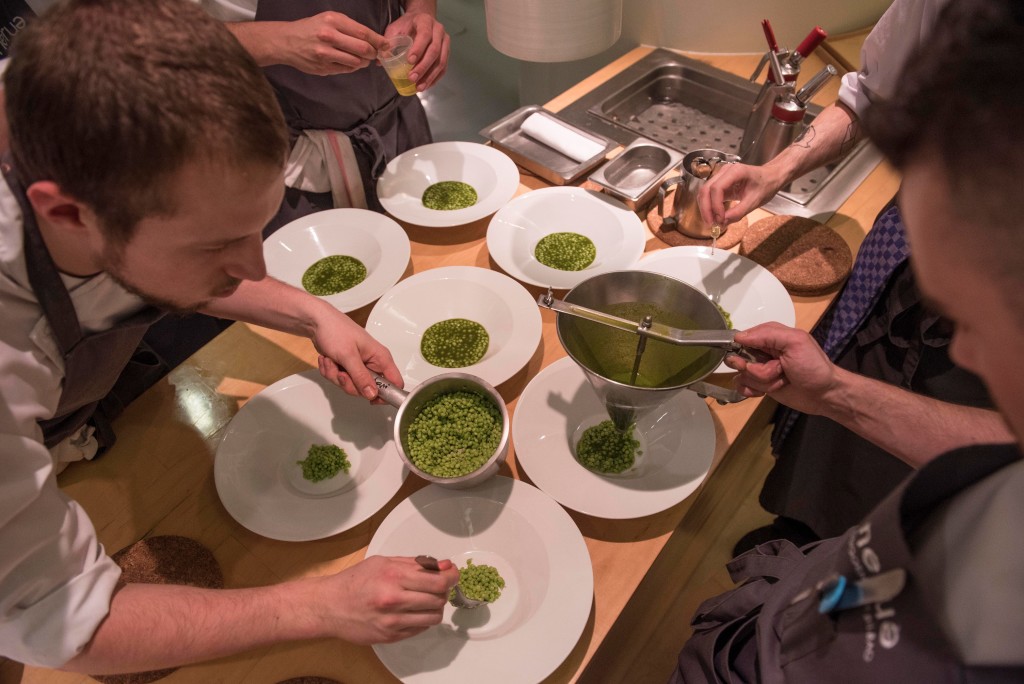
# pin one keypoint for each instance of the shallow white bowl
(745, 289)
(260, 483)
(491, 173)
(501, 305)
(516, 229)
(376, 240)
(677, 441)
(538, 551)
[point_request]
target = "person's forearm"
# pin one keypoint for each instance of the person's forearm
(154, 626)
(272, 304)
(910, 426)
(429, 6)
(831, 135)
(261, 39)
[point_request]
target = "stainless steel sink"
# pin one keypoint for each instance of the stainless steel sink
(686, 105)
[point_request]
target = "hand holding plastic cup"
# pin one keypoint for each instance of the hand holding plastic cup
(395, 61)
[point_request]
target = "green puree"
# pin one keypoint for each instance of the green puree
(448, 195)
(565, 251)
(324, 461)
(454, 434)
(479, 582)
(333, 274)
(604, 449)
(454, 343)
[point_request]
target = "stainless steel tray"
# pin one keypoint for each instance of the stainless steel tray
(635, 174)
(548, 163)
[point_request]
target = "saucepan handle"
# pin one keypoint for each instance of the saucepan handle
(388, 392)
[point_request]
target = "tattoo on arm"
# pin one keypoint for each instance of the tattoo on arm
(851, 137)
(805, 138)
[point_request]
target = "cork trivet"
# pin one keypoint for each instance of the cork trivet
(729, 238)
(309, 680)
(164, 560)
(807, 257)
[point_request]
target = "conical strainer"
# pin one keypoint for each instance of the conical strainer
(609, 355)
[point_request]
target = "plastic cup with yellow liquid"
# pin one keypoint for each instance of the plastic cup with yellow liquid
(395, 61)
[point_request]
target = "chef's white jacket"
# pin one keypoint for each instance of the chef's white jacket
(55, 579)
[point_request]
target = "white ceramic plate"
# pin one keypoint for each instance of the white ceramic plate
(539, 552)
(747, 290)
(501, 305)
(516, 229)
(260, 483)
(491, 173)
(373, 238)
(677, 444)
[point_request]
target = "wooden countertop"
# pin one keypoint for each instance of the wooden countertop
(158, 479)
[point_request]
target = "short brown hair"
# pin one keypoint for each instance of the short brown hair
(110, 98)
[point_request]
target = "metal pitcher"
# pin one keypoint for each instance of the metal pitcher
(685, 215)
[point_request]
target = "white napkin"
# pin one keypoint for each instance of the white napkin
(561, 137)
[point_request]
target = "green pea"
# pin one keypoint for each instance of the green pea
(725, 315)
(454, 343)
(479, 582)
(449, 195)
(324, 461)
(565, 251)
(333, 274)
(605, 449)
(454, 434)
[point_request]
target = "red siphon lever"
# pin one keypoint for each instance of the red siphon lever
(769, 34)
(813, 40)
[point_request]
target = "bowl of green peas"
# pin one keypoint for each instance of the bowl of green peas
(451, 430)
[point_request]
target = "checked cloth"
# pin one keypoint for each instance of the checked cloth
(883, 250)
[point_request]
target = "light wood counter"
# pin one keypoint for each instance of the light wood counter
(158, 479)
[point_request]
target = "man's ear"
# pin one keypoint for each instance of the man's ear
(56, 208)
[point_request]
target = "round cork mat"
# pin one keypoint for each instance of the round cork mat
(729, 238)
(309, 680)
(807, 257)
(164, 560)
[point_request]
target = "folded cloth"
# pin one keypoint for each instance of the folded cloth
(323, 161)
(563, 138)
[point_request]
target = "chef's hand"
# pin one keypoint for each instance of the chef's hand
(799, 376)
(347, 351)
(382, 600)
(734, 191)
(430, 45)
(327, 43)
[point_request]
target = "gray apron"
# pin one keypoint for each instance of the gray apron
(825, 475)
(14, 16)
(363, 105)
(762, 631)
(103, 371)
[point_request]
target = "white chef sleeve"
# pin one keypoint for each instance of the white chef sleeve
(56, 582)
(903, 27)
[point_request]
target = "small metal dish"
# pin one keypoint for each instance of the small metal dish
(548, 163)
(635, 174)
